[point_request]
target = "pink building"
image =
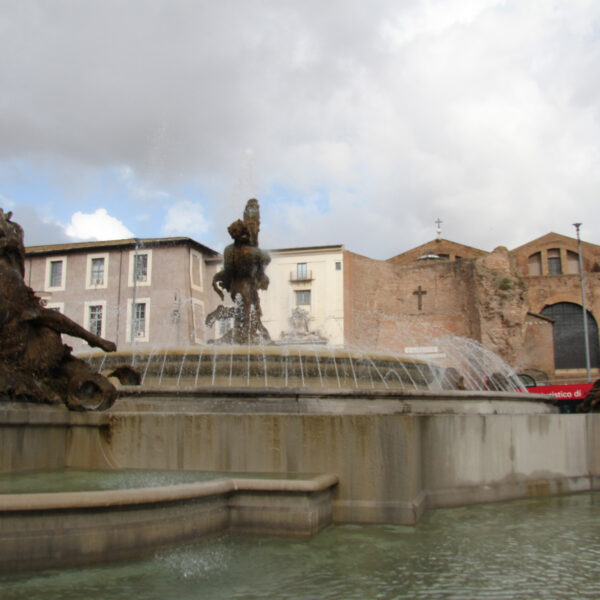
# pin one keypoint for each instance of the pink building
(150, 292)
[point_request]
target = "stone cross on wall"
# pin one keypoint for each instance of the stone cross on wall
(419, 293)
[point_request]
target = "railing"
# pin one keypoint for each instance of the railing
(294, 277)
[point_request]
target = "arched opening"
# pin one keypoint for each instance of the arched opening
(569, 347)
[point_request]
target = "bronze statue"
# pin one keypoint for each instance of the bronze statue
(243, 274)
(35, 366)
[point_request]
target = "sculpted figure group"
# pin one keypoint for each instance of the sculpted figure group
(35, 365)
(243, 274)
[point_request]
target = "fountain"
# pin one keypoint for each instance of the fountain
(297, 436)
(246, 356)
(35, 365)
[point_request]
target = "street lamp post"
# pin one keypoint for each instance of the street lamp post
(583, 307)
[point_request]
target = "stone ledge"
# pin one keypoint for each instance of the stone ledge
(73, 528)
(160, 494)
(502, 492)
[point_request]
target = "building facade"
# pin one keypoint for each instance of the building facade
(525, 305)
(150, 292)
(549, 267)
(305, 298)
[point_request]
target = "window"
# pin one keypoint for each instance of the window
(58, 307)
(554, 264)
(140, 267)
(225, 326)
(95, 319)
(97, 275)
(94, 313)
(196, 264)
(198, 318)
(96, 271)
(56, 273)
(138, 320)
(303, 298)
(572, 262)
(301, 271)
(535, 264)
(338, 266)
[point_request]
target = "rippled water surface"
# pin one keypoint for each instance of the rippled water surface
(82, 480)
(527, 549)
(79, 480)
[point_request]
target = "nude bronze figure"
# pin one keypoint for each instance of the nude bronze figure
(35, 366)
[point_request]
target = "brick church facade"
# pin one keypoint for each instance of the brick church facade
(524, 304)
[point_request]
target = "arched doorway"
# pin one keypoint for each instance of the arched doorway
(569, 348)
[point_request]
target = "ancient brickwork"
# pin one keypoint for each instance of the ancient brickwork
(395, 306)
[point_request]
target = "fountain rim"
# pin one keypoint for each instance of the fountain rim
(311, 392)
(268, 350)
(33, 501)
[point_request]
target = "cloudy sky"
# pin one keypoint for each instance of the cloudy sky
(353, 122)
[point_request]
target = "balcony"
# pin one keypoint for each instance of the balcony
(296, 277)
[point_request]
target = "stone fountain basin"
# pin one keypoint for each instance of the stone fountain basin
(46, 530)
(272, 366)
(392, 454)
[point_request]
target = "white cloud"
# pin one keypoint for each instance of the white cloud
(98, 225)
(185, 218)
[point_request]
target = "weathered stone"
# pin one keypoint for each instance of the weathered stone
(35, 366)
(243, 274)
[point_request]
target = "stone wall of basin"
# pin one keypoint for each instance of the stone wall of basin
(74, 528)
(394, 455)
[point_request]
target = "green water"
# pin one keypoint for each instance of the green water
(535, 549)
(84, 480)
(81, 480)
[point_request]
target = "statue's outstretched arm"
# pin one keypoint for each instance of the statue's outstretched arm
(218, 278)
(62, 324)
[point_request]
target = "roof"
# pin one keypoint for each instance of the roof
(437, 247)
(309, 248)
(116, 244)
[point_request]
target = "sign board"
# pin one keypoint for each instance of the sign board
(568, 391)
(421, 350)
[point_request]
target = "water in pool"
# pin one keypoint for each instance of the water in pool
(546, 549)
(88, 480)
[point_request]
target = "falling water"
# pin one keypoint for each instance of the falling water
(265, 367)
(316, 365)
(301, 369)
(162, 368)
(319, 368)
(214, 365)
(198, 366)
(336, 370)
(181, 369)
(353, 371)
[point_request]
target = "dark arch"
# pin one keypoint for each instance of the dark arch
(569, 348)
